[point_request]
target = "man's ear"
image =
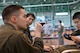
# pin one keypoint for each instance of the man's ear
(13, 19)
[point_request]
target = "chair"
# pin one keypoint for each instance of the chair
(71, 51)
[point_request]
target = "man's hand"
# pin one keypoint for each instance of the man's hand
(47, 48)
(38, 29)
(76, 39)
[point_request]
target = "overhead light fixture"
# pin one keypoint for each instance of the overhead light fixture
(62, 13)
(16, 2)
(44, 0)
(0, 17)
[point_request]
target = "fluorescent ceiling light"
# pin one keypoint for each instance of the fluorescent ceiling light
(62, 13)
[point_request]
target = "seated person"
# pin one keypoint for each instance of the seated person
(75, 37)
(37, 32)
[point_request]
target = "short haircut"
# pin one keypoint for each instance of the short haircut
(9, 10)
(30, 14)
(76, 15)
(60, 21)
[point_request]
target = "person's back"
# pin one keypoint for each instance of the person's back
(47, 28)
(60, 31)
(60, 27)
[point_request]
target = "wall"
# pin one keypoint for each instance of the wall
(64, 18)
